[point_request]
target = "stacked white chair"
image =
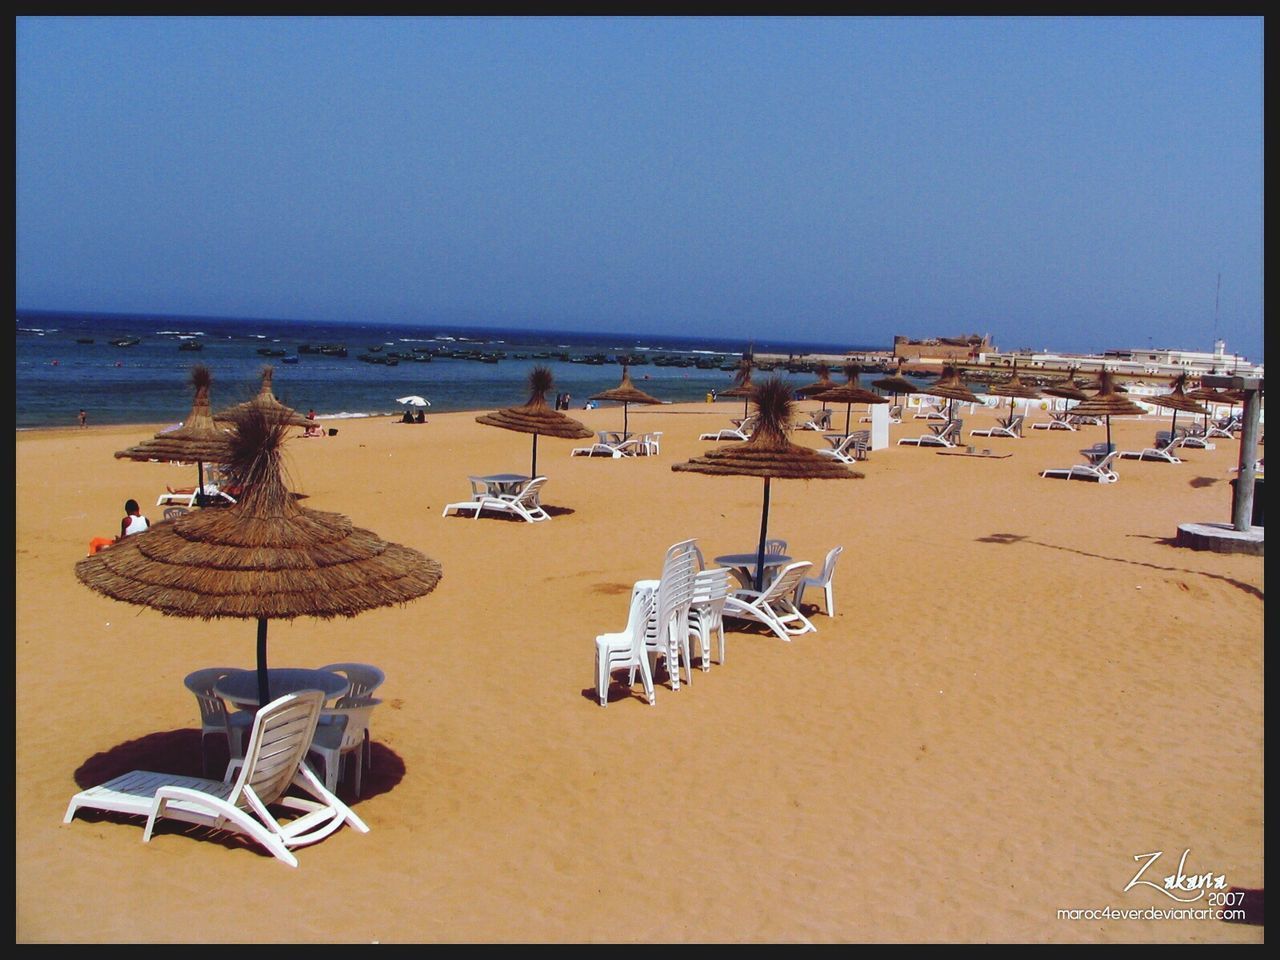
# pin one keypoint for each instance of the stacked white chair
(666, 633)
(626, 650)
(706, 611)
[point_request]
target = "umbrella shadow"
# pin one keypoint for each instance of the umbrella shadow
(1199, 482)
(1012, 538)
(619, 691)
(178, 752)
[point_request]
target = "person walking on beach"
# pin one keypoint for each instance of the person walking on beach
(84, 418)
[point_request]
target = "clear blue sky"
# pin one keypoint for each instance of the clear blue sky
(1076, 184)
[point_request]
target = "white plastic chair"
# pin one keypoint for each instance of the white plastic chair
(653, 443)
(822, 580)
(666, 631)
(774, 606)
(341, 733)
(215, 718)
(706, 610)
(850, 448)
(364, 679)
(273, 762)
(626, 650)
(775, 548)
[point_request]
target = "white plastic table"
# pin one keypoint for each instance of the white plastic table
(743, 566)
(241, 686)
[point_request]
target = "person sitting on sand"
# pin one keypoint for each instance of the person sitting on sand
(420, 418)
(132, 522)
(407, 418)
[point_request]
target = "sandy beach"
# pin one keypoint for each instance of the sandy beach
(1025, 687)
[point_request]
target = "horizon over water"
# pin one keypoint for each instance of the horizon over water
(149, 383)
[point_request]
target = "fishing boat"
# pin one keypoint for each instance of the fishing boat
(191, 345)
(126, 341)
(271, 352)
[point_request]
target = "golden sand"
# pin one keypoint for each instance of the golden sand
(1025, 686)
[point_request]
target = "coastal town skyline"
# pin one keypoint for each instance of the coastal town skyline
(1072, 184)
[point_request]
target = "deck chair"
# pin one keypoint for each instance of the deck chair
(1224, 427)
(1056, 421)
(774, 606)
(818, 420)
(1161, 450)
(1101, 471)
(1197, 438)
(822, 581)
(597, 449)
(946, 436)
(524, 503)
(239, 803)
(625, 650)
(729, 433)
(1006, 428)
(215, 718)
(706, 611)
(848, 449)
(187, 496)
(935, 411)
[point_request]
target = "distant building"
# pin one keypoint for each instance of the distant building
(1151, 362)
(941, 348)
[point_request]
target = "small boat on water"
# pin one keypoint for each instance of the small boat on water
(271, 352)
(126, 341)
(191, 345)
(289, 358)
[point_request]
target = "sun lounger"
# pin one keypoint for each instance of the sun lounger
(1096, 470)
(946, 435)
(775, 606)
(1057, 421)
(1161, 450)
(856, 446)
(1011, 427)
(818, 420)
(523, 503)
(1224, 427)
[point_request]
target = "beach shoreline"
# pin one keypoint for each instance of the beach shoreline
(1025, 686)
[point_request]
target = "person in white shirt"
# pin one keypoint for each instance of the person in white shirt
(134, 521)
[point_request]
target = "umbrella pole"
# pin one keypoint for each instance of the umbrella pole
(533, 467)
(263, 692)
(199, 501)
(624, 419)
(847, 408)
(764, 532)
(1109, 448)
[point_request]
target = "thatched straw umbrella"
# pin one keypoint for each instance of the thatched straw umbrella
(951, 388)
(851, 392)
(1107, 402)
(769, 454)
(263, 558)
(1014, 389)
(267, 402)
(1177, 400)
(742, 382)
(198, 439)
(625, 393)
(536, 417)
(896, 383)
(819, 386)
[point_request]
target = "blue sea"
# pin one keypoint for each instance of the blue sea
(149, 382)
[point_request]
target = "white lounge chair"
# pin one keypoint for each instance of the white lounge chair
(626, 650)
(774, 606)
(1056, 421)
(273, 762)
(823, 581)
(1011, 427)
(818, 420)
(727, 433)
(188, 497)
(1196, 438)
(1161, 451)
(936, 411)
(947, 436)
(524, 503)
(1100, 471)
(597, 449)
(855, 446)
(1224, 427)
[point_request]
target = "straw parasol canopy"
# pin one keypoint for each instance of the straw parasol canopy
(851, 392)
(625, 393)
(267, 402)
(1107, 402)
(1178, 401)
(742, 386)
(769, 454)
(950, 387)
(536, 417)
(1069, 389)
(198, 439)
(821, 385)
(263, 558)
(896, 383)
(1014, 389)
